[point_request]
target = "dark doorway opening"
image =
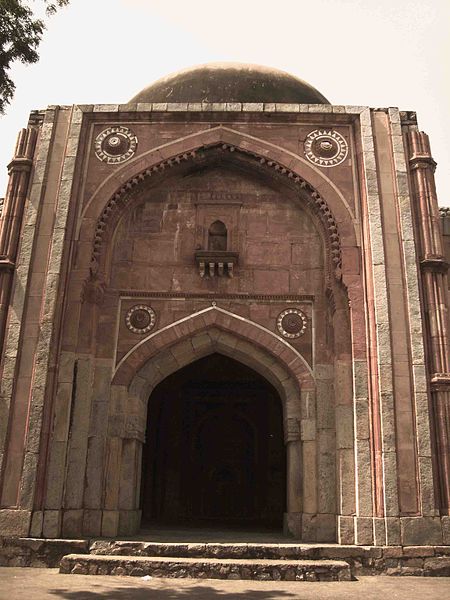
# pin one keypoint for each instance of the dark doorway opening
(214, 454)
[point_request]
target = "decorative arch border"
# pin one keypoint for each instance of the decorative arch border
(222, 319)
(228, 141)
(203, 333)
(204, 137)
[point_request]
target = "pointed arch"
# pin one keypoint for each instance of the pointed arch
(249, 339)
(217, 236)
(212, 330)
(113, 195)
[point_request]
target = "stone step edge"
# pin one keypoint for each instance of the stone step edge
(210, 560)
(296, 550)
(212, 568)
(232, 550)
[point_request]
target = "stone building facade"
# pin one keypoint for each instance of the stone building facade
(225, 302)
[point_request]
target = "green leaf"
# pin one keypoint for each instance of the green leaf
(20, 35)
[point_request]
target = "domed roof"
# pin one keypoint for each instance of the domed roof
(230, 82)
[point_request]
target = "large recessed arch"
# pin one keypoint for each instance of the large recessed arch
(211, 331)
(330, 205)
(229, 161)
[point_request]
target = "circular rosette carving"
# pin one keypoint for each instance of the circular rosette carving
(325, 147)
(115, 145)
(140, 318)
(291, 323)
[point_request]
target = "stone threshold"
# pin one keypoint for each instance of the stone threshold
(260, 550)
(207, 568)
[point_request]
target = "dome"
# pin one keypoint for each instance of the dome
(230, 82)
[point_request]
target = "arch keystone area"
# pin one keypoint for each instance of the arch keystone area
(225, 321)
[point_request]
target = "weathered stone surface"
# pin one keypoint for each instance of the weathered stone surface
(418, 551)
(51, 527)
(72, 522)
(392, 531)
(421, 530)
(364, 530)
(92, 522)
(292, 524)
(129, 521)
(14, 522)
(110, 523)
(346, 530)
(30, 552)
(275, 570)
(445, 521)
(437, 567)
(379, 531)
(363, 560)
(37, 522)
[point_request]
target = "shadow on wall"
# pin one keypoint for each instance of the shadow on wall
(196, 592)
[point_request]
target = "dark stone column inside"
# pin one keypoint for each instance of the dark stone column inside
(214, 455)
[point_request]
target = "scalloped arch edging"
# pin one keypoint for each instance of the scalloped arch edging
(120, 198)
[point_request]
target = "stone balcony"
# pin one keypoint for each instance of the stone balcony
(216, 263)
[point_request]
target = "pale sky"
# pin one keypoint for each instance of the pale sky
(379, 53)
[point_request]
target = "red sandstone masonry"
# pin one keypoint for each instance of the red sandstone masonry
(92, 330)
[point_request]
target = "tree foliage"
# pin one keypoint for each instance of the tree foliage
(20, 35)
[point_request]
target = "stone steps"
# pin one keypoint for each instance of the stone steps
(232, 550)
(363, 560)
(207, 568)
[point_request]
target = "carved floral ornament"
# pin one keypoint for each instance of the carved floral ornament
(115, 145)
(140, 318)
(292, 323)
(122, 197)
(326, 148)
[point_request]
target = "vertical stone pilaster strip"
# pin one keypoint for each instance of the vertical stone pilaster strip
(362, 449)
(14, 328)
(51, 289)
(11, 218)
(367, 431)
(309, 455)
(383, 390)
(416, 333)
(435, 288)
(404, 416)
(77, 445)
(292, 439)
(98, 433)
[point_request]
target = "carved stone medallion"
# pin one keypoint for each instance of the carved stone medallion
(140, 318)
(115, 145)
(291, 323)
(325, 147)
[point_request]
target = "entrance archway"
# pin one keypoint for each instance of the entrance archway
(170, 349)
(215, 452)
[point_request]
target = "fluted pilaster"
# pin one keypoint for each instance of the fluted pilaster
(11, 219)
(435, 289)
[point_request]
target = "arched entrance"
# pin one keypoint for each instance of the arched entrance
(215, 452)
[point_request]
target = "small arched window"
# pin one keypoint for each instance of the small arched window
(217, 236)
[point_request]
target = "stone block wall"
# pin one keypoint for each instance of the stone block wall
(109, 296)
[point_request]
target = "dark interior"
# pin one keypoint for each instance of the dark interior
(214, 453)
